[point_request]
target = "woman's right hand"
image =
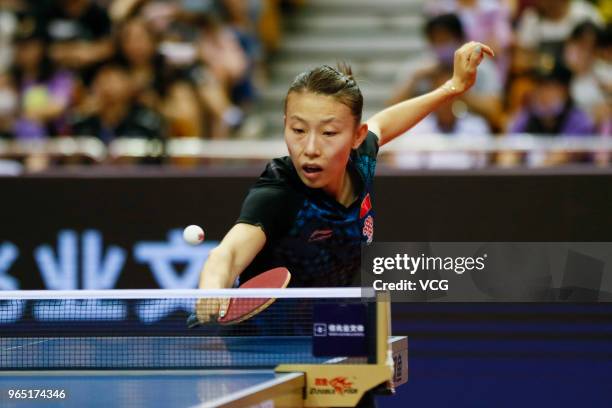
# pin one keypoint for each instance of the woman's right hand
(208, 310)
(224, 264)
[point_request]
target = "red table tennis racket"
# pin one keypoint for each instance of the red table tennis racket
(241, 309)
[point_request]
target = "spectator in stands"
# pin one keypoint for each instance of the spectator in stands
(242, 18)
(587, 88)
(113, 111)
(485, 21)
(221, 51)
(543, 29)
(222, 65)
(45, 93)
(158, 85)
(445, 34)
(80, 33)
(449, 120)
(550, 111)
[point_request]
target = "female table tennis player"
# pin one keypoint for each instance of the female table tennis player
(311, 211)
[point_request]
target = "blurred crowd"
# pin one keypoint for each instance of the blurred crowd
(552, 74)
(171, 68)
(146, 68)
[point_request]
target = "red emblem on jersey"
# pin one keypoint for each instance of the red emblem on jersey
(366, 206)
(368, 228)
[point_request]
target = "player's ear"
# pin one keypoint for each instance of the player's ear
(360, 135)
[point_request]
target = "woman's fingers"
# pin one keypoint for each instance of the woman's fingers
(467, 59)
(481, 48)
(488, 50)
(475, 57)
(207, 310)
(223, 305)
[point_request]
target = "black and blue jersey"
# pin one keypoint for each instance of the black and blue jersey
(307, 231)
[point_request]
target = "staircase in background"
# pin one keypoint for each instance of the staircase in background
(375, 36)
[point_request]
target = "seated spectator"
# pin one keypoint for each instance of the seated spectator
(80, 34)
(586, 88)
(181, 31)
(445, 35)
(550, 111)
(541, 32)
(449, 120)
(157, 85)
(485, 21)
(543, 29)
(221, 51)
(45, 93)
(222, 66)
(241, 17)
(113, 110)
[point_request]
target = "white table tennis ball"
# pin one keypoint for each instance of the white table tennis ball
(193, 234)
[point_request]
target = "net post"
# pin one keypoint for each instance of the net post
(359, 378)
(383, 327)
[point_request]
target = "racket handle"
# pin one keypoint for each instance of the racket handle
(192, 321)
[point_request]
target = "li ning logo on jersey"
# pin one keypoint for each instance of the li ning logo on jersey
(320, 235)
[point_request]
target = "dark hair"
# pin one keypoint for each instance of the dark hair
(585, 28)
(29, 27)
(111, 66)
(448, 22)
(558, 72)
(29, 30)
(336, 82)
(162, 75)
(605, 37)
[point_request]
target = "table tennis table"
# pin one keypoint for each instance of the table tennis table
(90, 379)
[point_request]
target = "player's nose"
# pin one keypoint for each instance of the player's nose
(311, 149)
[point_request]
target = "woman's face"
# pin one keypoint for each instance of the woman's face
(137, 43)
(320, 133)
(548, 99)
(113, 86)
(579, 53)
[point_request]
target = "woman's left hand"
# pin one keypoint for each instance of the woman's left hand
(465, 65)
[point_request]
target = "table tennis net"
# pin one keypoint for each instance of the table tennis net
(145, 330)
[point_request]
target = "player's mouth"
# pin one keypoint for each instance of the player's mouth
(311, 171)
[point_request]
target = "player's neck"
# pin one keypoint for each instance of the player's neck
(343, 192)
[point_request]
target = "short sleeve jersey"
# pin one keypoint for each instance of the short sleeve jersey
(307, 231)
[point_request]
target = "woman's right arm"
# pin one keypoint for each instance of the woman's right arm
(235, 252)
(224, 264)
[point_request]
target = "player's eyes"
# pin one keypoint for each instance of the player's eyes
(330, 133)
(298, 130)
